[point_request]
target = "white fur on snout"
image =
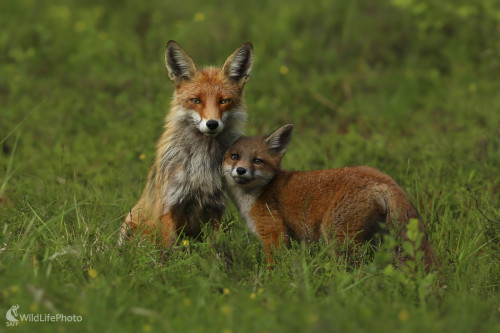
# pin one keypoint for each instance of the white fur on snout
(246, 175)
(201, 124)
(207, 131)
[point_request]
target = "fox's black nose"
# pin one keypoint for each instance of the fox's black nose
(212, 124)
(241, 171)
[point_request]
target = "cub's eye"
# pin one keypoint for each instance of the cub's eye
(195, 100)
(225, 101)
(234, 157)
(257, 161)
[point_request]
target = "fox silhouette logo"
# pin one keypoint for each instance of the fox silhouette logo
(11, 315)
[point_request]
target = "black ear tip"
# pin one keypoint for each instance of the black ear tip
(248, 44)
(171, 43)
(246, 47)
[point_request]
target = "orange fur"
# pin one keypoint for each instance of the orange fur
(277, 204)
(207, 114)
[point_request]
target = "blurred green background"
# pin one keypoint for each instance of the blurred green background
(410, 87)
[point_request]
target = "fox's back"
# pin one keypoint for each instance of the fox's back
(306, 199)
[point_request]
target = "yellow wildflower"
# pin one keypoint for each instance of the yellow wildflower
(403, 315)
(93, 273)
(199, 17)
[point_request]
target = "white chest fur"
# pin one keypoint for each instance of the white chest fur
(245, 200)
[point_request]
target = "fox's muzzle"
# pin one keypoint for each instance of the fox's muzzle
(211, 127)
(241, 175)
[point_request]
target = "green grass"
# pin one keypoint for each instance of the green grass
(408, 87)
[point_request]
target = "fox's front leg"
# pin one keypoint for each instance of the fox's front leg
(126, 230)
(133, 223)
(166, 234)
(164, 229)
(271, 243)
(272, 234)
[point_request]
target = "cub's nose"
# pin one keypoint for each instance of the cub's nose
(212, 124)
(241, 171)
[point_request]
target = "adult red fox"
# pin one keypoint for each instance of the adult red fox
(275, 203)
(207, 114)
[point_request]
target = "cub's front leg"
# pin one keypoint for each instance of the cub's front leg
(272, 233)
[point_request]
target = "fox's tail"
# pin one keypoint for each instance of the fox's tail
(399, 212)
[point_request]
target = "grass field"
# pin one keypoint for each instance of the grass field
(410, 87)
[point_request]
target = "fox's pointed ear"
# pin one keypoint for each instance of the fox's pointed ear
(237, 67)
(179, 64)
(278, 140)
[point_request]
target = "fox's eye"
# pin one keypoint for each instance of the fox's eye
(234, 157)
(257, 161)
(225, 101)
(195, 100)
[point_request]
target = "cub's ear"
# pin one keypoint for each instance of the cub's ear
(278, 140)
(237, 67)
(179, 64)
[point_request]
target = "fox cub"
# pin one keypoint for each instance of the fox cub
(277, 204)
(207, 114)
